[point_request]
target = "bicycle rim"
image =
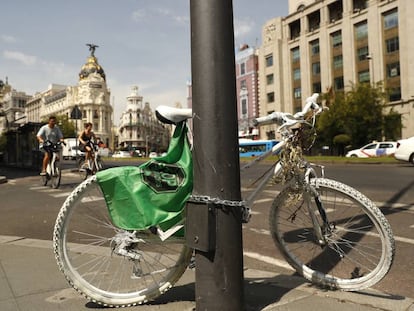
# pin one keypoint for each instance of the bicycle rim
(83, 172)
(84, 240)
(359, 248)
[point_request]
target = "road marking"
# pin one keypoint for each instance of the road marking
(91, 199)
(263, 200)
(404, 207)
(396, 238)
(269, 260)
(37, 188)
(63, 194)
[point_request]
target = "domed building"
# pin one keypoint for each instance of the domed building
(91, 96)
(139, 128)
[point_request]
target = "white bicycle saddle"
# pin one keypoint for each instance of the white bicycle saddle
(173, 115)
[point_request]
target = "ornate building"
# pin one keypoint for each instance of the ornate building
(247, 90)
(139, 128)
(12, 105)
(91, 96)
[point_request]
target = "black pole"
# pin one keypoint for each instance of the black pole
(219, 254)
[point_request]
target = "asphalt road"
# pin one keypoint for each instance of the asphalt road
(29, 209)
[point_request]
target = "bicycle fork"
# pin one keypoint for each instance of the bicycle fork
(321, 226)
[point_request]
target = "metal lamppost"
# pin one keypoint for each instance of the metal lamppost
(76, 114)
(214, 230)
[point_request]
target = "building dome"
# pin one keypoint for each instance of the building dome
(90, 67)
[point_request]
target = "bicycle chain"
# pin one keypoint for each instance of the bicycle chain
(220, 203)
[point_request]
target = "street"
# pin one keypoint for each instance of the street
(29, 209)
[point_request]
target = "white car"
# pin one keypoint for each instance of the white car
(405, 150)
(374, 149)
(121, 154)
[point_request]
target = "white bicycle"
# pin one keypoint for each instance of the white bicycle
(333, 235)
(93, 165)
(53, 172)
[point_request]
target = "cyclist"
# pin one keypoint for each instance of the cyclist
(86, 142)
(48, 132)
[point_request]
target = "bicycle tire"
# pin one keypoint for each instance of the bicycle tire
(44, 180)
(360, 248)
(83, 172)
(100, 165)
(83, 241)
(55, 179)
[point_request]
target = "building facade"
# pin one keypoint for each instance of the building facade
(12, 106)
(91, 95)
(247, 92)
(139, 129)
(333, 44)
(247, 66)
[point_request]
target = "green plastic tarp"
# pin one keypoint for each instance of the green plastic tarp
(153, 193)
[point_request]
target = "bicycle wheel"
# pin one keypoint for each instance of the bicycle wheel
(83, 172)
(44, 179)
(100, 165)
(56, 177)
(359, 247)
(87, 250)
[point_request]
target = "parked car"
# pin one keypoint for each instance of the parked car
(121, 154)
(374, 149)
(405, 150)
(153, 155)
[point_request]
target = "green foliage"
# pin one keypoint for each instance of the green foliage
(66, 126)
(359, 115)
(342, 139)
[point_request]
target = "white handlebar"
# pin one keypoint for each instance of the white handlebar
(285, 117)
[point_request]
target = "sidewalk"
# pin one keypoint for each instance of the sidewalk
(31, 281)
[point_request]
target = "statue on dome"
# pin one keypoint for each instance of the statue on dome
(92, 48)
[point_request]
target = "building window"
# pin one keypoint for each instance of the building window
(338, 61)
(363, 76)
(242, 68)
(336, 38)
(269, 60)
(243, 84)
(339, 83)
(270, 97)
(393, 70)
(296, 74)
(295, 54)
(390, 19)
(269, 79)
(297, 92)
(316, 68)
(395, 94)
(361, 30)
(392, 44)
(314, 45)
(316, 87)
(244, 106)
(362, 53)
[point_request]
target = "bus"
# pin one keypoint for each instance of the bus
(254, 148)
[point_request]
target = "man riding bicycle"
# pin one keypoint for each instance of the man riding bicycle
(48, 132)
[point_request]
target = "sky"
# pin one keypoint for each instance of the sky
(144, 43)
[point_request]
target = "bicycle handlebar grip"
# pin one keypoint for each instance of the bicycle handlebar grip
(274, 117)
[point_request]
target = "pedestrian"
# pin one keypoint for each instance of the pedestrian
(48, 132)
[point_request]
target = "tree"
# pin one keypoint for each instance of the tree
(359, 114)
(65, 124)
